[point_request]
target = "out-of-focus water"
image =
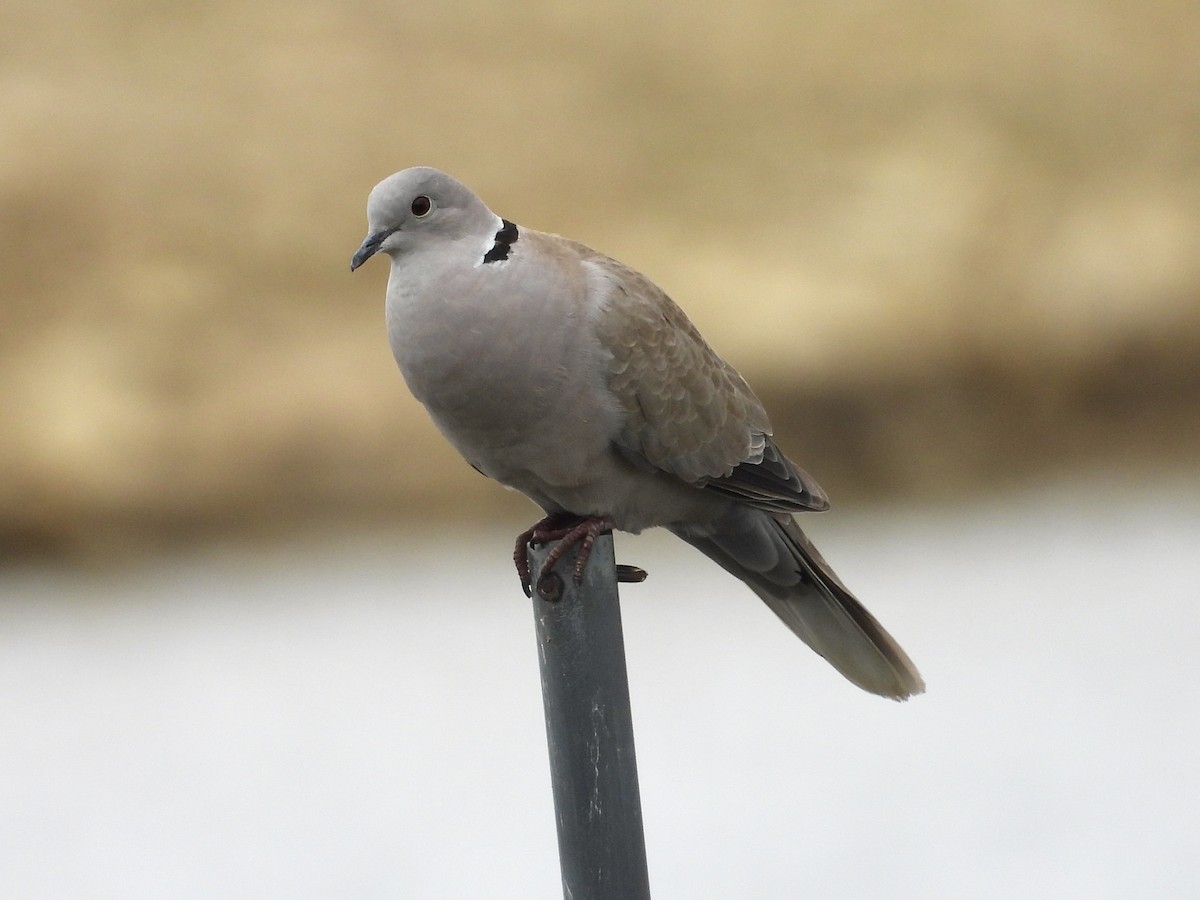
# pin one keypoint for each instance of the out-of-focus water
(363, 718)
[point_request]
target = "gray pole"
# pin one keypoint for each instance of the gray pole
(585, 689)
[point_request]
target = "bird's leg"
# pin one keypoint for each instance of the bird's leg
(584, 533)
(542, 531)
(567, 530)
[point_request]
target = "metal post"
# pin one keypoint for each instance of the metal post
(589, 728)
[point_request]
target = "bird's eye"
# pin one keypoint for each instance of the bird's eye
(421, 206)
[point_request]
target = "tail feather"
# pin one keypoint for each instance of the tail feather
(771, 554)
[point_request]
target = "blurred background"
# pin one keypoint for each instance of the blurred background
(954, 247)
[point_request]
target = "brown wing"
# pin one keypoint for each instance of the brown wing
(687, 411)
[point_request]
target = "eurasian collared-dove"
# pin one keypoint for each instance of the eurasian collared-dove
(572, 378)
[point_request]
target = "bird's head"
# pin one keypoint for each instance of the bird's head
(422, 207)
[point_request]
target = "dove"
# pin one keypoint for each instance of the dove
(574, 379)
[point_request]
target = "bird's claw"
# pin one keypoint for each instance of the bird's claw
(630, 574)
(539, 533)
(568, 531)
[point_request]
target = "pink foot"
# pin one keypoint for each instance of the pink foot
(538, 533)
(567, 530)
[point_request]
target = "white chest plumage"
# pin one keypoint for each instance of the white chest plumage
(497, 357)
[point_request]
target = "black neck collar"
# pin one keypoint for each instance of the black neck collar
(505, 238)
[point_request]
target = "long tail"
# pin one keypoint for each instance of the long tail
(770, 553)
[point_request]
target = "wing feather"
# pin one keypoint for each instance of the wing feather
(687, 411)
